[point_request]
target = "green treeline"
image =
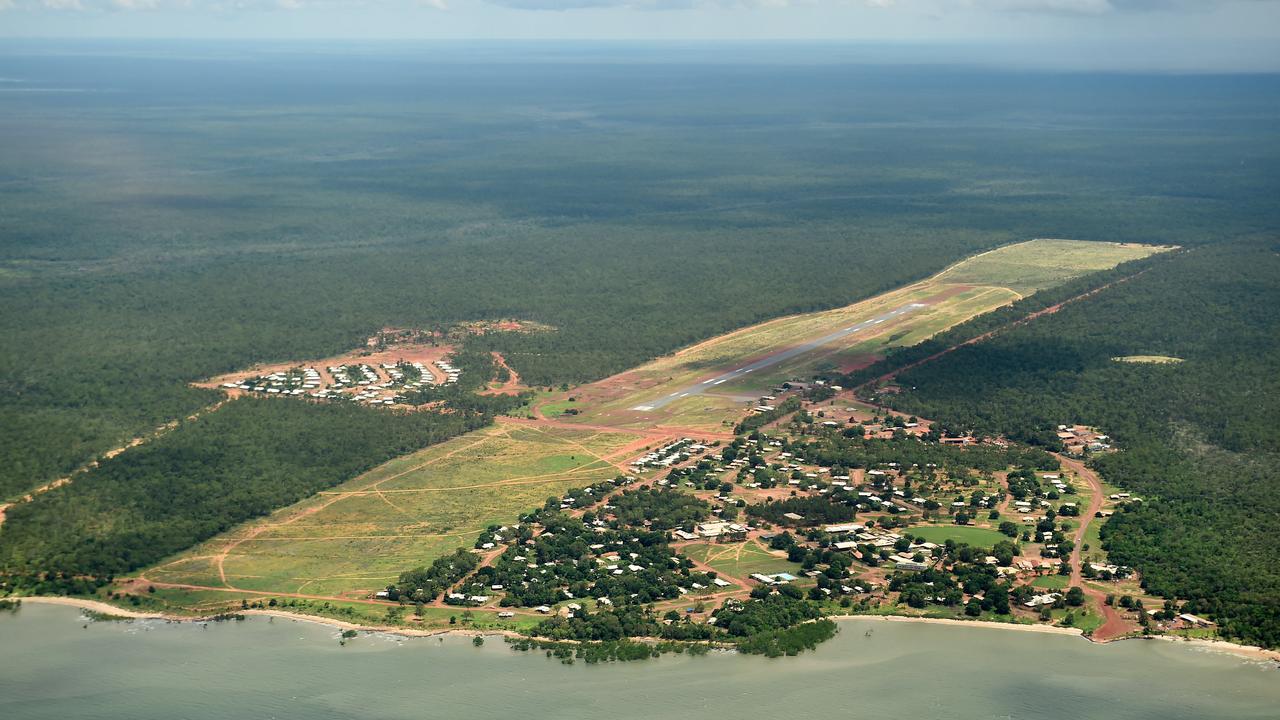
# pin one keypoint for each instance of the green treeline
(760, 419)
(1198, 438)
(243, 461)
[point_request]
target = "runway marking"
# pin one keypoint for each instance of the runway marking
(779, 357)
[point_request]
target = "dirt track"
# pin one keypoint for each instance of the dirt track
(1114, 624)
(113, 452)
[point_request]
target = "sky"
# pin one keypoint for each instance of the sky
(1175, 34)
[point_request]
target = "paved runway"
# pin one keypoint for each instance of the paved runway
(711, 383)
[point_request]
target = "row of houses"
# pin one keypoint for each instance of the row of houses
(360, 382)
(668, 455)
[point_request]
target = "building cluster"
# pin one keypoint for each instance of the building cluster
(288, 382)
(385, 384)
(668, 455)
(1078, 439)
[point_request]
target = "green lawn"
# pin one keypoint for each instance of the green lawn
(978, 537)
(1051, 582)
(740, 560)
(361, 535)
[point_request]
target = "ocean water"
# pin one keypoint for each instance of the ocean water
(51, 666)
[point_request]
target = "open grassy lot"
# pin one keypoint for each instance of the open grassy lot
(1087, 618)
(1037, 264)
(739, 560)
(971, 287)
(978, 537)
(359, 536)
(1051, 582)
(1149, 359)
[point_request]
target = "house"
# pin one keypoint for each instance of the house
(845, 529)
(1046, 599)
(712, 529)
(910, 565)
(774, 579)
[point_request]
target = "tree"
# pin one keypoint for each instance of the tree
(1075, 597)
(999, 600)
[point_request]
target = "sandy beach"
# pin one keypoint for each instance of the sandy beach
(96, 606)
(965, 623)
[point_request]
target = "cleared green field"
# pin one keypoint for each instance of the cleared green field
(739, 560)
(359, 536)
(1149, 359)
(1037, 264)
(975, 536)
(1086, 618)
(1051, 582)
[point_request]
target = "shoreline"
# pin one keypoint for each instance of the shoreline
(1251, 652)
(1021, 627)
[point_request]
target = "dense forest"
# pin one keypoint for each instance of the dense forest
(241, 462)
(239, 215)
(1198, 438)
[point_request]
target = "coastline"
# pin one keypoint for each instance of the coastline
(1051, 629)
(1251, 652)
(95, 606)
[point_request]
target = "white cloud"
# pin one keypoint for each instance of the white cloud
(1081, 7)
(1074, 7)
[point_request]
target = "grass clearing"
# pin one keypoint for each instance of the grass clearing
(361, 535)
(975, 536)
(1051, 582)
(740, 560)
(1037, 264)
(1149, 359)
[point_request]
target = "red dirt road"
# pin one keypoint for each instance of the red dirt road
(1114, 625)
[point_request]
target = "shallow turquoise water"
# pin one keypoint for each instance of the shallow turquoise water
(53, 667)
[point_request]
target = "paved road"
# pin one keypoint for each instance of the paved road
(711, 383)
